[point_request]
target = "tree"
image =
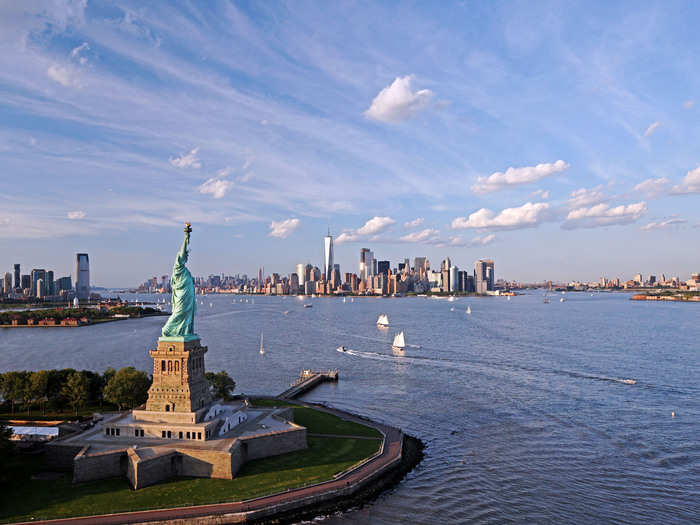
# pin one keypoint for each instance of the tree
(39, 387)
(6, 450)
(13, 387)
(221, 383)
(128, 388)
(108, 374)
(76, 390)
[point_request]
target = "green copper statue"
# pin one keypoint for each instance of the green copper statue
(184, 303)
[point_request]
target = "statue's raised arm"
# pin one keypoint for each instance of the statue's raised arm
(184, 302)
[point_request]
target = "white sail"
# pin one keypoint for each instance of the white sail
(469, 310)
(399, 341)
(383, 320)
(262, 348)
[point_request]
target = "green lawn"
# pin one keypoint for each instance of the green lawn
(318, 422)
(25, 499)
(268, 403)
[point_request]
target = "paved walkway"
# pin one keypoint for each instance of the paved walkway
(391, 453)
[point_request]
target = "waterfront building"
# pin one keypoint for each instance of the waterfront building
(365, 264)
(638, 279)
(454, 285)
(40, 289)
(18, 277)
(301, 274)
(82, 276)
(328, 255)
(293, 283)
(484, 275)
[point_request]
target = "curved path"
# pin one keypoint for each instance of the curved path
(267, 506)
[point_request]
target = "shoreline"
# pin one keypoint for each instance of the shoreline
(83, 325)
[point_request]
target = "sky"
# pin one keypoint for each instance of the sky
(559, 139)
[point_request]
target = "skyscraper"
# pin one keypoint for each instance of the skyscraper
(82, 276)
(483, 275)
(7, 284)
(328, 255)
(300, 274)
(18, 277)
(365, 264)
(38, 274)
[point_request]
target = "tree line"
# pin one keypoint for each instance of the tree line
(57, 390)
(63, 313)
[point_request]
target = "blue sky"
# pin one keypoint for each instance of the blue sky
(560, 139)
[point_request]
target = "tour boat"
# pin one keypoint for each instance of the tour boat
(383, 321)
(262, 348)
(469, 310)
(399, 341)
(308, 305)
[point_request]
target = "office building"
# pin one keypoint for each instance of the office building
(26, 282)
(328, 255)
(50, 286)
(484, 275)
(7, 284)
(18, 277)
(383, 267)
(366, 264)
(301, 274)
(454, 283)
(82, 276)
(63, 283)
(38, 274)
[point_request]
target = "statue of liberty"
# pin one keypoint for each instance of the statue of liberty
(184, 303)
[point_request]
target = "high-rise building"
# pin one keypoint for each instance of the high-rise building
(328, 255)
(365, 264)
(383, 267)
(63, 283)
(38, 274)
(7, 284)
(483, 275)
(26, 282)
(82, 276)
(18, 277)
(40, 288)
(301, 274)
(50, 285)
(454, 284)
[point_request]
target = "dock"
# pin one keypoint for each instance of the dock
(308, 379)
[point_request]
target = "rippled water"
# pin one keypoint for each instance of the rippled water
(521, 405)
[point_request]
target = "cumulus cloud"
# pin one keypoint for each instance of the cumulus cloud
(347, 237)
(483, 241)
(398, 101)
(662, 224)
(542, 194)
(188, 160)
(376, 225)
(528, 215)
(604, 215)
(414, 223)
(283, 229)
(653, 187)
(652, 128)
(516, 176)
(585, 197)
(75, 215)
(690, 184)
(216, 187)
(422, 236)
(63, 75)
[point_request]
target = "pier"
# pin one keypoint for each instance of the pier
(308, 379)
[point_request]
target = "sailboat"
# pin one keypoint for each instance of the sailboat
(399, 341)
(383, 321)
(344, 299)
(451, 298)
(352, 299)
(469, 310)
(262, 348)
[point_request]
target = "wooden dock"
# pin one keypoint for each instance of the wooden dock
(308, 379)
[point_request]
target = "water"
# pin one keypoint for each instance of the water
(521, 405)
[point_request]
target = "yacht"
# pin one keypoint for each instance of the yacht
(399, 341)
(308, 305)
(262, 348)
(383, 321)
(341, 348)
(469, 310)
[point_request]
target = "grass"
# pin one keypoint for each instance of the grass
(269, 403)
(25, 499)
(317, 422)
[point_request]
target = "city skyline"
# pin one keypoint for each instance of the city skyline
(498, 131)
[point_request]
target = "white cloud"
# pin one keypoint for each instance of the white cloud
(376, 225)
(690, 184)
(421, 236)
(63, 75)
(528, 215)
(283, 229)
(542, 194)
(346, 237)
(75, 53)
(652, 128)
(653, 187)
(585, 197)
(224, 172)
(414, 223)
(216, 187)
(689, 104)
(398, 102)
(662, 224)
(515, 176)
(189, 160)
(604, 215)
(74, 215)
(483, 241)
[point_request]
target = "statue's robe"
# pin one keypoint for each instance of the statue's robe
(184, 301)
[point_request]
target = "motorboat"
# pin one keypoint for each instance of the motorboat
(341, 348)
(308, 305)
(262, 348)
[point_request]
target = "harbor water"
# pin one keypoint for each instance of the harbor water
(582, 411)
